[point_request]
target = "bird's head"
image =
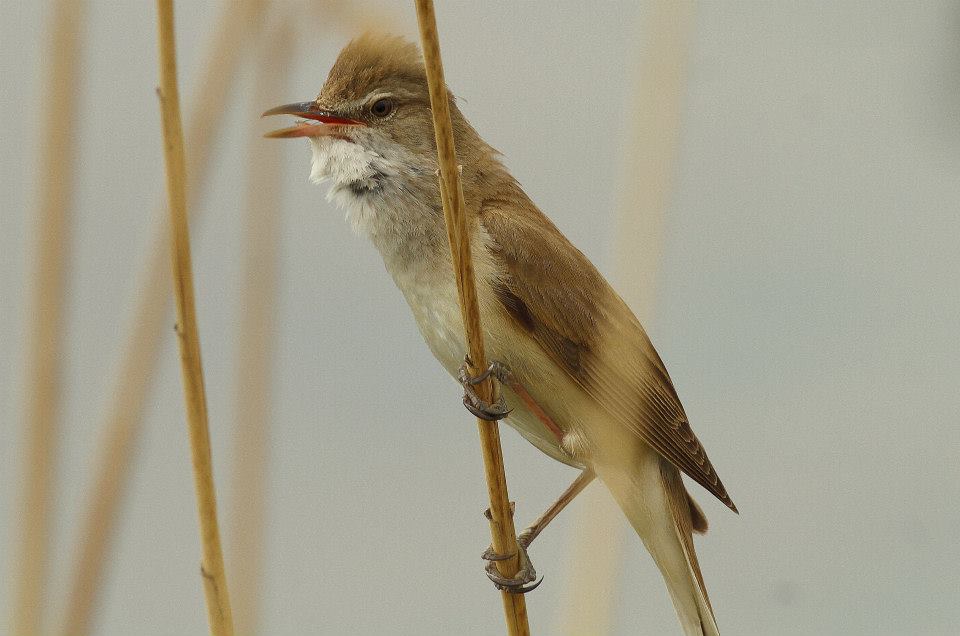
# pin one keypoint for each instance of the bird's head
(371, 122)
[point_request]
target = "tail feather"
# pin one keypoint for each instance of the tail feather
(683, 506)
(652, 495)
(697, 519)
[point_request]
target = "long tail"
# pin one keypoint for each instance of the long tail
(654, 499)
(685, 516)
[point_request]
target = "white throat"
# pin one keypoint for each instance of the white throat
(386, 197)
(350, 170)
(379, 193)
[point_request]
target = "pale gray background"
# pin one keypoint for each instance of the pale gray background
(808, 313)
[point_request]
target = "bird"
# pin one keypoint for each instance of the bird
(581, 380)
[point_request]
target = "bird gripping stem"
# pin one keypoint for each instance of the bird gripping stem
(451, 193)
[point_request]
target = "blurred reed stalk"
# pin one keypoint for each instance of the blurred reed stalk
(55, 185)
(212, 569)
(256, 337)
(501, 516)
(354, 17)
(651, 162)
(148, 323)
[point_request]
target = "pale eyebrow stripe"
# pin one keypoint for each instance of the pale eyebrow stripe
(375, 95)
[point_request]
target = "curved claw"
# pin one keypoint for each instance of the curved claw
(489, 412)
(514, 585)
(523, 589)
(484, 410)
(518, 583)
(473, 380)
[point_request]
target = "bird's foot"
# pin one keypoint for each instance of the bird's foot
(488, 411)
(525, 580)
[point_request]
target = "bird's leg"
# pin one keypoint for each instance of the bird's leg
(489, 411)
(533, 406)
(525, 538)
(519, 583)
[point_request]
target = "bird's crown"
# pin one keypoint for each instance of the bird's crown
(374, 61)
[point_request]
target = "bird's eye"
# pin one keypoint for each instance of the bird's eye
(382, 107)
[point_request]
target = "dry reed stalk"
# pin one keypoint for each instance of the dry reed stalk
(256, 341)
(501, 517)
(136, 368)
(116, 449)
(211, 565)
(55, 179)
(352, 16)
(598, 546)
(595, 556)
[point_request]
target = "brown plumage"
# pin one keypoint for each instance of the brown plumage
(547, 313)
(564, 303)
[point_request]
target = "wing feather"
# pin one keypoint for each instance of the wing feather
(566, 304)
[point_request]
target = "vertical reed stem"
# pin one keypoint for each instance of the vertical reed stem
(501, 517)
(55, 178)
(122, 424)
(256, 338)
(651, 159)
(211, 566)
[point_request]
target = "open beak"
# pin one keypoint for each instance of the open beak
(329, 121)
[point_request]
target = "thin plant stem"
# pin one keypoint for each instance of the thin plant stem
(256, 338)
(501, 518)
(597, 549)
(352, 17)
(211, 566)
(136, 368)
(55, 177)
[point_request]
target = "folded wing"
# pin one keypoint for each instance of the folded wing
(585, 327)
